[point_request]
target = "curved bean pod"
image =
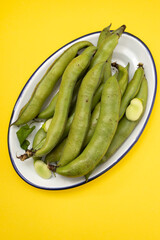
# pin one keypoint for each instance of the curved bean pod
(40, 135)
(55, 155)
(122, 77)
(132, 89)
(38, 139)
(82, 114)
(103, 35)
(125, 127)
(70, 76)
(105, 50)
(106, 75)
(93, 123)
(94, 119)
(48, 112)
(104, 132)
(40, 167)
(45, 86)
(96, 97)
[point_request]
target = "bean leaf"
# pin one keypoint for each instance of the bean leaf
(22, 134)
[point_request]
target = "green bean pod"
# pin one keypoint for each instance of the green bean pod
(104, 132)
(40, 135)
(82, 114)
(39, 166)
(38, 139)
(105, 50)
(96, 97)
(55, 155)
(103, 35)
(122, 77)
(52, 156)
(93, 123)
(94, 119)
(48, 112)
(73, 71)
(132, 89)
(125, 127)
(45, 86)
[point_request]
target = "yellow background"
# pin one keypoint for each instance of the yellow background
(124, 203)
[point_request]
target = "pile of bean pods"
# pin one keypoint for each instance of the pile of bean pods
(86, 121)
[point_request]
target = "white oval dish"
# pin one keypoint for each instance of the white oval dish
(129, 49)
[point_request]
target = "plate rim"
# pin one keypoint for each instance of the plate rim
(113, 164)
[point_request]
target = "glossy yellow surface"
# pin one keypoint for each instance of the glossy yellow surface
(124, 203)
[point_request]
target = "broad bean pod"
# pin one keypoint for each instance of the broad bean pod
(125, 127)
(132, 89)
(103, 35)
(56, 153)
(73, 71)
(38, 140)
(107, 73)
(95, 115)
(104, 132)
(105, 50)
(47, 83)
(122, 77)
(82, 114)
(48, 112)
(40, 135)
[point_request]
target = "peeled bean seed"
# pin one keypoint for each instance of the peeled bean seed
(42, 169)
(134, 110)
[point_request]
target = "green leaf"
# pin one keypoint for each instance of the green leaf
(25, 144)
(22, 134)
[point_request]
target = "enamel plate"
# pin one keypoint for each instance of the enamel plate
(129, 49)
